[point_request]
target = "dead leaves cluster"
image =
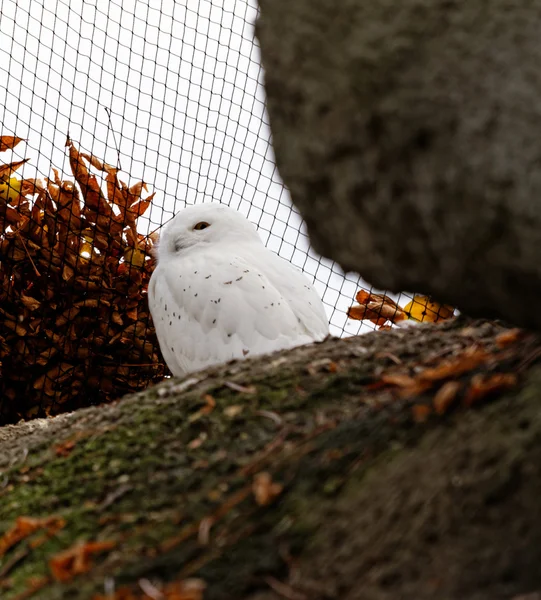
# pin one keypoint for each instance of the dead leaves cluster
(76, 560)
(450, 382)
(382, 310)
(63, 566)
(74, 321)
(25, 527)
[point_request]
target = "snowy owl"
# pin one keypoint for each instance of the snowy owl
(217, 293)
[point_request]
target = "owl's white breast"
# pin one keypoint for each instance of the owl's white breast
(220, 302)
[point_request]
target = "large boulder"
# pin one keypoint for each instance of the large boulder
(409, 135)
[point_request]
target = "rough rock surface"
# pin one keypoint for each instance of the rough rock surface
(408, 134)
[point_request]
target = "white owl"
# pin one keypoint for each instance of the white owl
(217, 293)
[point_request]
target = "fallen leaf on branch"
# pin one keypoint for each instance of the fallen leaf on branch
(398, 379)
(25, 527)
(446, 396)
(470, 359)
(65, 449)
(485, 384)
(264, 489)
(76, 560)
(508, 337)
(408, 385)
(210, 404)
(198, 441)
(448, 369)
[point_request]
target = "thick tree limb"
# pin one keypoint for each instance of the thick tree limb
(408, 134)
(353, 497)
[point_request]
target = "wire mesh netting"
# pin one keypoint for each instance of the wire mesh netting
(170, 94)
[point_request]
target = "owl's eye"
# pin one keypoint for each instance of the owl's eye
(201, 225)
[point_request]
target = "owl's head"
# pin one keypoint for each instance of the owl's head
(203, 224)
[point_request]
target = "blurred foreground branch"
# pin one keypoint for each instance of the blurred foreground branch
(401, 464)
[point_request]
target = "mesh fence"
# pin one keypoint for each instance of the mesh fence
(170, 94)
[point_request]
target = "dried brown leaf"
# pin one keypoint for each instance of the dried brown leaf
(76, 560)
(8, 142)
(26, 526)
(264, 489)
(7, 170)
(485, 384)
(446, 396)
(398, 379)
(467, 361)
(30, 303)
(508, 337)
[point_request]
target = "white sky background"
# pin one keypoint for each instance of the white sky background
(185, 88)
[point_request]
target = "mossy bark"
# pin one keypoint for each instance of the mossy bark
(373, 504)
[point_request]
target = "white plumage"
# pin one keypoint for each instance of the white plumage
(217, 293)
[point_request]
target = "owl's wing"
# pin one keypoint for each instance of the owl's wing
(299, 293)
(216, 306)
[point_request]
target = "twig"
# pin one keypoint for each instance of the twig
(284, 590)
(117, 147)
(26, 250)
(13, 561)
(150, 590)
(268, 414)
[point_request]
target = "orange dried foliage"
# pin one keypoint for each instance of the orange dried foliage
(485, 384)
(408, 385)
(264, 489)
(75, 327)
(398, 379)
(380, 309)
(376, 308)
(76, 560)
(210, 404)
(7, 170)
(467, 361)
(8, 142)
(446, 396)
(26, 526)
(508, 337)
(444, 377)
(65, 449)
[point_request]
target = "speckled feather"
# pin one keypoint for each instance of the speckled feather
(219, 294)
